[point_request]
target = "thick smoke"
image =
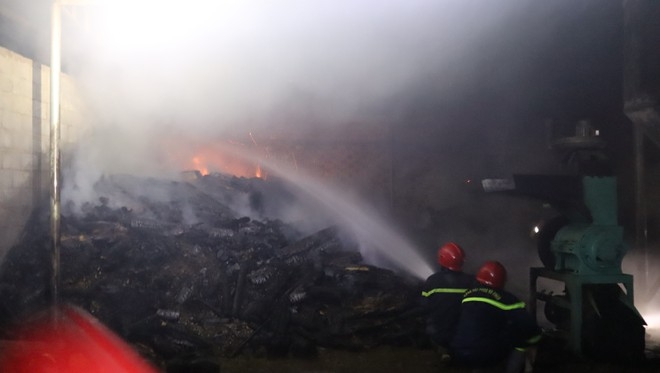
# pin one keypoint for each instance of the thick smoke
(202, 71)
(291, 67)
(437, 69)
(258, 66)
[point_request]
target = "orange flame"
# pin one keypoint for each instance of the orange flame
(215, 159)
(206, 158)
(200, 166)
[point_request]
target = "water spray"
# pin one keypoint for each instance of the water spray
(374, 234)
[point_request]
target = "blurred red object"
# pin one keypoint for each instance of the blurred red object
(69, 340)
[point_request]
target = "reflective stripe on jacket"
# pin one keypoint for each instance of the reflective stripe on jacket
(492, 323)
(441, 299)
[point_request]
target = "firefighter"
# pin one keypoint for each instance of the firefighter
(494, 325)
(442, 293)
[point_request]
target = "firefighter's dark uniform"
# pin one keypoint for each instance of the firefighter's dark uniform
(491, 325)
(441, 298)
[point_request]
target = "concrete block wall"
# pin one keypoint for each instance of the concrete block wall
(25, 138)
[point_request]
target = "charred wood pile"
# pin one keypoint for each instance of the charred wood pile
(174, 268)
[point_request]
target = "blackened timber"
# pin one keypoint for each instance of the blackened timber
(225, 282)
(240, 288)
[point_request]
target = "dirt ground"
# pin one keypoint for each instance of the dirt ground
(387, 359)
(415, 360)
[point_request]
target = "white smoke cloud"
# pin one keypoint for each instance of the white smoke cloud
(270, 67)
(256, 64)
(203, 69)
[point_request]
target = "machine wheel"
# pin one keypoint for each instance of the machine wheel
(544, 239)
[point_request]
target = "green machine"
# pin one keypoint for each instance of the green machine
(582, 248)
(591, 242)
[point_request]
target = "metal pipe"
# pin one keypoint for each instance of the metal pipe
(55, 95)
(640, 94)
(391, 142)
(641, 221)
(37, 138)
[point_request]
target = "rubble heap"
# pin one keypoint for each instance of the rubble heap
(171, 266)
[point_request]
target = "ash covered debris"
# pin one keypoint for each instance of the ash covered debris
(173, 267)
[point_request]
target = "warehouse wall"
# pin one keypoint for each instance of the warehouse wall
(25, 138)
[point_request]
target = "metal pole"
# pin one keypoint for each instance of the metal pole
(391, 148)
(55, 92)
(639, 65)
(641, 228)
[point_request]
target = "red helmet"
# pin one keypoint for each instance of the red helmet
(492, 274)
(451, 256)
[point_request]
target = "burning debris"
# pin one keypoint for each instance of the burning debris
(172, 267)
